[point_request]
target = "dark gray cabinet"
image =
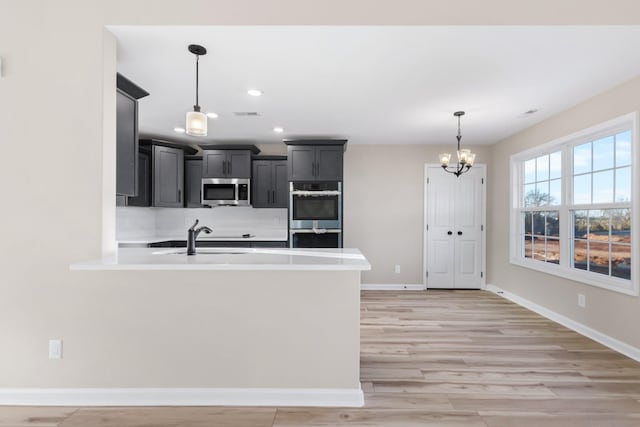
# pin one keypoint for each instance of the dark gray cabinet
(193, 182)
(226, 164)
(168, 177)
(127, 95)
(144, 182)
(126, 144)
(269, 184)
(315, 162)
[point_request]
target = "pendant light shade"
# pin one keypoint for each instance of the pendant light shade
(196, 123)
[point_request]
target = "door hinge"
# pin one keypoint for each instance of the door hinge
(481, 274)
(482, 228)
(427, 274)
(427, 227)
(482, 180)
(427, 180)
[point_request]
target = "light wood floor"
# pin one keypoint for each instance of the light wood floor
(436, 358)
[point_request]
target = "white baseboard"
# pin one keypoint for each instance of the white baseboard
(182, 397)
(391, 287)
(578, 327)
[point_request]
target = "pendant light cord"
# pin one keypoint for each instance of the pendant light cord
(197, 78)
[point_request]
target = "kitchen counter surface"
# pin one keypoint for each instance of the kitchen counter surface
(229, 259)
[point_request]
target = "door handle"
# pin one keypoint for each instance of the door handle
(449, 233)
(459, 233)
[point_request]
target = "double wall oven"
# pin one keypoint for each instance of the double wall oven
(315, 214)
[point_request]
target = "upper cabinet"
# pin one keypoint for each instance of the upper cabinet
(226, 164)
(315, 160)
(269, 182)
(227, 161)
(193, 181)
(168, 177)
(127, 96)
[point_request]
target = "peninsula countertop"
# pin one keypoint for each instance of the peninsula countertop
(229, 259)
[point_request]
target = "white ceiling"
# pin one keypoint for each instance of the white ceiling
(372, 85)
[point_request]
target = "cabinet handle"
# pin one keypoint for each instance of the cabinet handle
(459, 233)
(224, 167)
(229, 167)
(273, 197)
(180, 196)
(313, 169)
(268, 197)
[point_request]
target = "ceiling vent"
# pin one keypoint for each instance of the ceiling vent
(246, 113)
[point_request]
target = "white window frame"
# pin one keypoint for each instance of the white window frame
(566, 144)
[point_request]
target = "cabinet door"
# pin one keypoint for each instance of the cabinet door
(280, 185)
(329, 162)
(214, 164)
(261, 184)
(144, 182)
(239, 164)
(193, 183)
(168, 177)
(301, 162)
(126, 145)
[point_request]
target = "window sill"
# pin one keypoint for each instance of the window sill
(626, 287)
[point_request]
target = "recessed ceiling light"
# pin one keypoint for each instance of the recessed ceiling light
(278, 129)
(212, 115)
(179, 130)
(254, 92)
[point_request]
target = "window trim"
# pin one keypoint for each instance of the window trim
(628, 287)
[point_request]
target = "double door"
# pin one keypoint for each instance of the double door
(269, 187)
(226, 164)
(454, 228)
(315, 163)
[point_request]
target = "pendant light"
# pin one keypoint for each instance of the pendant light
(465, 156)
(196, 120)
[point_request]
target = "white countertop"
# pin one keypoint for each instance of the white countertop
(261, 236)
(229, 259)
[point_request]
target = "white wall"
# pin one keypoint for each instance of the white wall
(608, 312)
(52, 112)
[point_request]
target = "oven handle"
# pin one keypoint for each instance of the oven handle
(316, 193)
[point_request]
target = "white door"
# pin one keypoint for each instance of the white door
(454, 229)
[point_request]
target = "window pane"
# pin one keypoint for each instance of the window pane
(542, 168)
(555, 165)
(603, 153)
(538, 223)
(582, 158)
(530, 171)
(553, 224)
(621, 225)
(538, 248)
(580, 254)
(530, 198)
(555, 192)
(623, 185)
(599, 257)
(553, 251)
(527, 223)
(528, 246)
(580, 224)
(542, 193)
(623, 149)
(599, 225)
(582, 189)
(621, 261)
(603, 187)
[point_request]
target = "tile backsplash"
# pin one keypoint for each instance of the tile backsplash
(133, 222)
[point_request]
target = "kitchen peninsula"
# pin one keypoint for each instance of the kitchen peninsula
(237, 326)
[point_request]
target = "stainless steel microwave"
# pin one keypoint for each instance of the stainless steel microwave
(226, 191)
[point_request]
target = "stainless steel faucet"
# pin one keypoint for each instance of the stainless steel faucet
(192, 235)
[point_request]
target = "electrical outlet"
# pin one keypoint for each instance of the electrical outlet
(582, 300)
(397, 269)
(55, 349)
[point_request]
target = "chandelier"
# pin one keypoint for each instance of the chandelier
(465, 157)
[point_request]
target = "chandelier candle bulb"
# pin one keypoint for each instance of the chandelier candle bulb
(444, 159)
